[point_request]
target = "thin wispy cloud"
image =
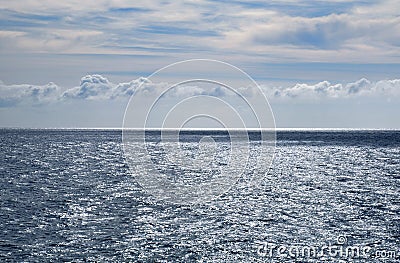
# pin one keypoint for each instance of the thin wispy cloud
(326, 30)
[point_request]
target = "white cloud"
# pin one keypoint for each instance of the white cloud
(325, 89)
(127, 89)
(99, 88)
(91, 87)
(11, 95)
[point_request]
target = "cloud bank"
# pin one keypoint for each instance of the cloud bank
(325, 89)
(99, 88)
(11, 95)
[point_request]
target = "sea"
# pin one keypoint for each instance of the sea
(69, 195)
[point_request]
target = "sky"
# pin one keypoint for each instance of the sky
(320, 64)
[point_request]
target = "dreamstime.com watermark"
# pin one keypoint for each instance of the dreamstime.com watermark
(340, 252)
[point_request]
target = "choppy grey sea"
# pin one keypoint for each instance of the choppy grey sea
(330, 196)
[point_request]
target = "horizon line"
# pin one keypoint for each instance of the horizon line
(199, 129)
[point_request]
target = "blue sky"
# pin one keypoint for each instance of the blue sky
(283, 45)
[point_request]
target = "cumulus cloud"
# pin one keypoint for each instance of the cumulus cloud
(11, 95)
(325, 89)
(91, 87)
(99, 88)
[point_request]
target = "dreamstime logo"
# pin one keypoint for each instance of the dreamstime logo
(173, 162)
(341, 251)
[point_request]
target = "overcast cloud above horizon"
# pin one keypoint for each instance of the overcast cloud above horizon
(320, 63)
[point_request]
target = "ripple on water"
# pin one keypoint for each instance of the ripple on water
(68, 196)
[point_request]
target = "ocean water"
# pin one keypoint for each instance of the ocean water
(330, 196)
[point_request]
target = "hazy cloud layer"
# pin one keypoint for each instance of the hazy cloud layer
(97, 87)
